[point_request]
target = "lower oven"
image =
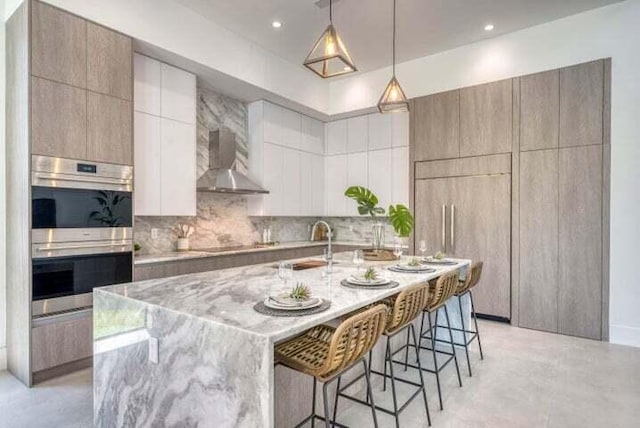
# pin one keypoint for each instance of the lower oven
(65, 273)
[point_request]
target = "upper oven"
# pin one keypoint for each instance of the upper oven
(69, 194)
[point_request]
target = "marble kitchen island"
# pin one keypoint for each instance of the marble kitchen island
(191, 351)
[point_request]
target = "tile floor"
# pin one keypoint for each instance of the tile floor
(527, 379)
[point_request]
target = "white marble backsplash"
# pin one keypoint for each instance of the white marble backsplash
(223, 220)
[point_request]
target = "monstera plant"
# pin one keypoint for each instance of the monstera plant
(399, 215)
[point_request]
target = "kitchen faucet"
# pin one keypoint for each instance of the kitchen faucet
(313, 232)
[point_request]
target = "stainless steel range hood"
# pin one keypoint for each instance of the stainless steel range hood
(222, 177)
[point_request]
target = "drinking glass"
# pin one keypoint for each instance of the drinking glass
(358, 259)
(423, 247)
(397, 250)
(285, 272)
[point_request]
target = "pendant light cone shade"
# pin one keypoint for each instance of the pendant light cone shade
(393, 98)
(329, 57)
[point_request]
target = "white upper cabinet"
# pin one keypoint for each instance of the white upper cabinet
(357, 134)
(312, 135)
(400, 176)
(380, 131)
(146, 158)
(336, 137)
(164, 147)
(147, 84)
(178, 168)
(282, 126)
(336, 179)
(380, 175)
(178, 97)
(399, 129)
(286, 156)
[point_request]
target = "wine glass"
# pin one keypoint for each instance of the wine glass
(397, 251)
(358, 259)
(423, 247)
(285, 272)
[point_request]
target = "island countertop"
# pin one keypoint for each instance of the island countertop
(227, 296)
(191, 350)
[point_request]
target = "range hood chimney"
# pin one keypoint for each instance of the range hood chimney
(222, 177)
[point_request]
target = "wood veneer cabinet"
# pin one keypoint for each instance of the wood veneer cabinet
(109, 129)
(436, 127)
(539, 105)
(109, 63)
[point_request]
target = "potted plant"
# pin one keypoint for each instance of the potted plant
(399, 215)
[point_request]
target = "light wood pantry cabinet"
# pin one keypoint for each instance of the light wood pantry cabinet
(108, 62)
(563, 203)
(165, 161)
(539, 105)
(470, 216)
(109, 129)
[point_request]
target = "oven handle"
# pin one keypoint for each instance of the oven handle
(83, 179)
(80, 247)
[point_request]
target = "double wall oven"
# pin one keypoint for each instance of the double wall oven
(82, 220)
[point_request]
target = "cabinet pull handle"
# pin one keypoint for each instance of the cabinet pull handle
(444, 229)
(453, 227)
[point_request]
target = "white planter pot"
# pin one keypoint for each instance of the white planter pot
(183, 244)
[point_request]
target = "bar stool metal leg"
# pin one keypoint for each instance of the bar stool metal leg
(435, 360)
(464, 335)
(389, 358)
(367, 375)
(424, 387)
(453, 348)
(475, 320)
(335, 403)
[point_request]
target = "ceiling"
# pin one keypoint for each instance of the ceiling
(424, 26)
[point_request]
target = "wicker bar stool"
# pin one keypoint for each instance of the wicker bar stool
(403, 309)
(464, 287)
(443, 288)
(326, 353)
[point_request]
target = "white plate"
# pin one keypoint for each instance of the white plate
(361, 281)
(433, 261)
(308, 304)
(408, 268)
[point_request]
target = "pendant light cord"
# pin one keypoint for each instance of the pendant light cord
(331, 11)
(394, 38)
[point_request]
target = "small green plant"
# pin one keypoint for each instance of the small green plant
(399, 215)
(136, 247)
(439, 256)
(300, 292)
(370, 274)
(414, 262)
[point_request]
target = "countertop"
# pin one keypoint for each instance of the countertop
(177, 256)
(226, 297)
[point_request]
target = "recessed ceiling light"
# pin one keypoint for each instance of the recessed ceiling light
(276, 24)
(488, 27)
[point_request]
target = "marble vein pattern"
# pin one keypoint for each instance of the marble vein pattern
(215, 352)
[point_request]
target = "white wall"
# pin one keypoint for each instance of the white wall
(613, 32)
(3, 295)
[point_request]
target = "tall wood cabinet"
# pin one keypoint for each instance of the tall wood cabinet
(68, 95)
(515, 173)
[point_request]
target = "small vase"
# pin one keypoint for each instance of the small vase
(183, 244)
(378, 236)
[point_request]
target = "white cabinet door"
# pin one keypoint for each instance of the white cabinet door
(311, 184)
(399, 129)
(357, 165)
(273, 164)
(336, 133)
(357, 134)
(178, 98)
(380, 131)
(146, 84)
(380, 175)
(312, 135)
(290, 173)
(147, 170)
(400, 176)
(178, 168)
(336, 179)
(282, 126)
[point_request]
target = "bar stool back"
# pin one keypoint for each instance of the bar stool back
(442, 290)
(326, 353)
(464, 287)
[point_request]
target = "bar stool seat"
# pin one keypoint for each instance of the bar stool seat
(403, 308)
(325, 353)
(442, 289)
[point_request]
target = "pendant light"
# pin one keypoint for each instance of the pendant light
(393, 98)
(329, 57)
